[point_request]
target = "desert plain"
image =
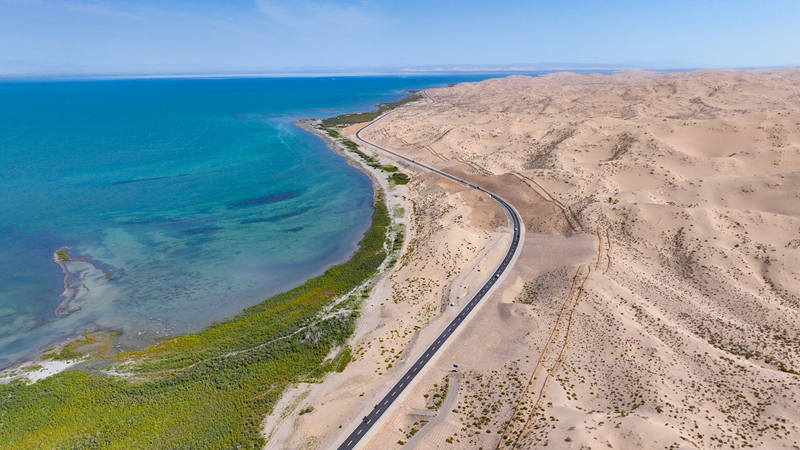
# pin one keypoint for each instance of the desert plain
(655, 302)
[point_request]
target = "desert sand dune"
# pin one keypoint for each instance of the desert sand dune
(656, 302)
(684, 332)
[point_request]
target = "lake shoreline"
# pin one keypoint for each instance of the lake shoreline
(312, 126)
(74, 276)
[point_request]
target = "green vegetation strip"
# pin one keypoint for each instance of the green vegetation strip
(368, 159)
(396, 177)
(209, 390)
(332, 124)
(369, 116)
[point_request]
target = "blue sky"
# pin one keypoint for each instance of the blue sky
(204, 35)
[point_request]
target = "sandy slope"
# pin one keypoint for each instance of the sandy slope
(656, 302)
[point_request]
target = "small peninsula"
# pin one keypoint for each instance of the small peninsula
(75, 271)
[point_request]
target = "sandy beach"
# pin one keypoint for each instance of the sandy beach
(654, 304)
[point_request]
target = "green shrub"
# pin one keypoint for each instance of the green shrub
(354, 118)
(399, 178)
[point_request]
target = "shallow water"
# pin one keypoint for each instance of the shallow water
(193, 198)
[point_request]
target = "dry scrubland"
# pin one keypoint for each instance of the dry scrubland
(655, 303)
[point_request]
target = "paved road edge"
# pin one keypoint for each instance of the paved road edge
(356, 437)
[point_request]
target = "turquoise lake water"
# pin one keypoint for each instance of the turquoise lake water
(193, 198)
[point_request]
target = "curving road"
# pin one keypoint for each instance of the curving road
(516, 221)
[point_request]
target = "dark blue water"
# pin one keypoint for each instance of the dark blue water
(192, 198)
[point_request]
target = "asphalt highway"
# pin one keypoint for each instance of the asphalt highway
(366, 423)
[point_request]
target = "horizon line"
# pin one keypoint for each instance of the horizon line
(311, 73)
